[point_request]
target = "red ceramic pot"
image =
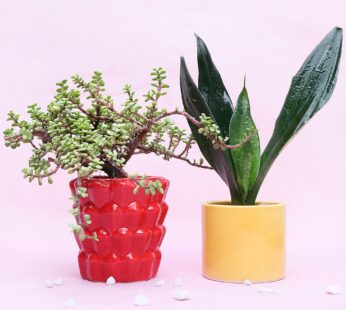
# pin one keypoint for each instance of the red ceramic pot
(129, 228)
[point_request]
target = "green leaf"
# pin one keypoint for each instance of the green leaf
(247, 157)
(212, 88)
(310, 90)
(152, 190)
(195, 105)
(136, 189)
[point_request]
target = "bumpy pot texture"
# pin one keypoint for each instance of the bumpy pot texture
(129, 228)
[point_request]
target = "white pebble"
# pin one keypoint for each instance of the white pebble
(333, 289)
(59, 281)
(178, 282)
(160, 283)
(141, 300)
(70, 303)
(48, 283)
(182, 295)
(247, 282)
(266, 290)
(110, 281)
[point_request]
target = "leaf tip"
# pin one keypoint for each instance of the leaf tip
(338, 29)
(182, 63)
(201, 46)
(336, 34)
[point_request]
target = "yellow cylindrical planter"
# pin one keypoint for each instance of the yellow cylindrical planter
(243, 242)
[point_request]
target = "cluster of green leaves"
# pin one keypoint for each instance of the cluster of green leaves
(80, 231)
(212, 132)
(150, 187)
(243, 169)
(83, 131)
(79, 228)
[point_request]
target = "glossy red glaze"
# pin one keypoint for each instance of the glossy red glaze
(129, 228)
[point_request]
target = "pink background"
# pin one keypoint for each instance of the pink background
(46, 41)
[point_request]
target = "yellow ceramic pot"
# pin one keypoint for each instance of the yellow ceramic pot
(243, 242)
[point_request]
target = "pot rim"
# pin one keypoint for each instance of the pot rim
(227, 204)
(120, 180)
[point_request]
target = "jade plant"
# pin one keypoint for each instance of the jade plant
(83, 131)
(243, 169)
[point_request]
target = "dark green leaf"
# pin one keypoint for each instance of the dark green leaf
(195, 105)
(310, 90)
(246, 158)
(212, 88)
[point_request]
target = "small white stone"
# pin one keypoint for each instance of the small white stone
(59, 281)
(266, 290)
(49, 283)
(70, 303)
(160, 283)
(178, 282)
(110, 281)
(333, 289)
(142, 300)
(182, 295)
(247, 282)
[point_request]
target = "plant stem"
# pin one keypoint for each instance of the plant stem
(114, 172)
(147, 150)
(199, 125)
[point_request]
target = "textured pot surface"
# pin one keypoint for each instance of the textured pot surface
(243, 242)
(129, 228)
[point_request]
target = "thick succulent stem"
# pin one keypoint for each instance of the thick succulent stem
(113, 171)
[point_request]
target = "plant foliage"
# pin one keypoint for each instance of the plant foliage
(243, 169)
(84, 131)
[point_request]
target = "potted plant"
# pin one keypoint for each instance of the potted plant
(244, 238)
(119, 217)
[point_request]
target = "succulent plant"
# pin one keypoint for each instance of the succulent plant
(243, 169)
(83, 131)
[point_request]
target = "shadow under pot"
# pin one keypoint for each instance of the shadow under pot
(129, 229)
(243, 242)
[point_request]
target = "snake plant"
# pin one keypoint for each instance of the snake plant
(244, 169)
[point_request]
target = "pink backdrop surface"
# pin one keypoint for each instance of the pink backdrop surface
(46, 41)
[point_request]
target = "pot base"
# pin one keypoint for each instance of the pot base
(123, 269)
(238, 282)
